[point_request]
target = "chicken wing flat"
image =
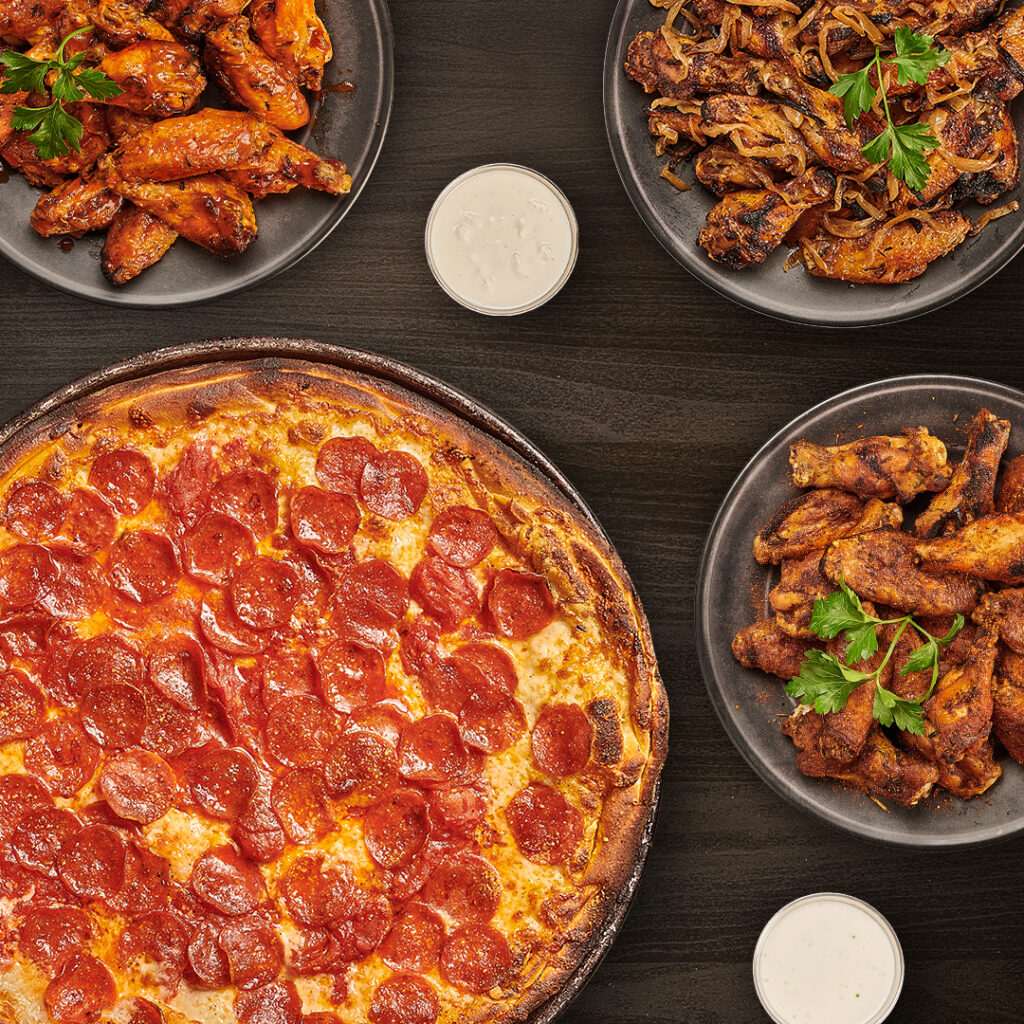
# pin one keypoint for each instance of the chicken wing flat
(811, 521)
(879, 566)
(293, 35)
(1010, 496)
(21, 154)
(747, 227)
(971, 490)
(250, 79)
(207, 210)
(1008, 703)
(722, 168)
(874, 467)
(1002, 612)
(199, 16)
(29, 21)
(123, 124)
(990, 548)
(180, 147)
(968, 777)
(649, 61)
(287, 164)
(77, 206)
(136, 240)
(766, 647)
(753, 123)
(121, 24)
(801, 584)
(158, 78)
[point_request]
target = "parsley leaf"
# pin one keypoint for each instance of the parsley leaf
(958, 624)
(825, 682)
(909, 141)
(916, 56)
(922, 659)
(23, 73)
(97, 84)
(857, 92)
(840, 610)
(906, 715)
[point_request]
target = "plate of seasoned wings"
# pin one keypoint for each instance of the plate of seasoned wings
(165, 153)
(860, 612)
(835, 162)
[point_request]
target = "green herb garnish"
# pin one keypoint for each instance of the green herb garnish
(55, 132)
(826, 682)
(902, 145)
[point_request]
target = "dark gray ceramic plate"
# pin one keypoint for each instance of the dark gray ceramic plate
(674, 218)
(346, 125)
(732, 592)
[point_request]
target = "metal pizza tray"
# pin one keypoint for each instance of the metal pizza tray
(425, 389)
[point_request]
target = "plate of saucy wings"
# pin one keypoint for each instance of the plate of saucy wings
(860, 612)
(733, 141)
(238, 136)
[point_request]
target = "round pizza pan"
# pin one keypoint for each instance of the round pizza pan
(732, 592)
(402, 378)
(349, 121)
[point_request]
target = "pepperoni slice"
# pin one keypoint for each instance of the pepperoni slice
(520, 604)
(459, 810)
(315, 894)
(225, 630)
(215, 547)
(367, 919)
(91, 863)
(208, 961)
(300, 730)
(466, 888)
(19, 794)
(491, 722)
(431, 752)
(404, 999)
(250, 496)
(38, 839)
(476, 958)
(104, 660)
(415, 940)
(386, 720)
(396, 828)
(264, 592)
(253, 949)
(361, 767)
(228, 882)
(89, 522)
(494, 663)
(114, 716)
(287, 671)
(170, 730)
(136, 1010)
(318, 951)
(546, 827)
(147, 884)
(258, 832)
(142, 566)
(178, 672)
(373, 593)
(22, 706)
(26, 572)
(393, 484)
(324, 520)
(341, 461)
(79, 589)
(418, 646)
(157, 937)
(138, 785)
(321, 1017)
(447, 593)
(187, 487)
(561, 740)
(299, 799)
(275, 1003)
(62, 755)
(462, 536)
(352, 675)
(448, 682)
(81, 991)
(48, 934)
(125, 478)
(35, 511)
(222, 782)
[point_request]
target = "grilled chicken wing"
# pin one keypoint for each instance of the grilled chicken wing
(250, 79)
(990, 548)
(136, 240)
(77, 206)
(121, 23)
(874, 467)
(1010, 496)
(179, 147)
(879, 566)
(199, 16)
(722, 168)
(747, 227)
(287, 164)
(158, 78)
(293, 35)
(802, 584)
(1008, 703)
(23, 157)
(207, 210)
(29, 21)
(971, 490)
(764, 646)
(758, 124)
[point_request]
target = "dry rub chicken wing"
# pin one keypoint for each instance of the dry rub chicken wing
(800, 585)
(1010, 496)
(766, 647)
(287, 164)
(1003, 612)
(874, 467)
(77, 206)
(158, 78)
(1008, 703)
(292, 34)
(136, 240)
(990, 548)
(967, 777)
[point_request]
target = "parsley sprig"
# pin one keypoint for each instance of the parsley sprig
(55, 132)
(902, 145)
(826, 682)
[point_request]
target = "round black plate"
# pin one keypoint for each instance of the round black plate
(732, 591)
(346, 125)
(674, 218)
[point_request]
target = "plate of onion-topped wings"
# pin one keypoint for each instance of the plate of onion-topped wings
(166, 153)
(860, 612)
(837, 163)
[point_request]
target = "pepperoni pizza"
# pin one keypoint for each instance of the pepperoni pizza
(316, 706)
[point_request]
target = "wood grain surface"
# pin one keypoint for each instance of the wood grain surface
(650, 392)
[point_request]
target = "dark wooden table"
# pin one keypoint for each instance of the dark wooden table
(650, 392)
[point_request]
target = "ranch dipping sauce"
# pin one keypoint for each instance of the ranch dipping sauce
(828, 958)
(501, 239)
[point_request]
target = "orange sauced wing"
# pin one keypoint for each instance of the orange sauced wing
(136, 240)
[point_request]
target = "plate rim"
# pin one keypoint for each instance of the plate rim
(126, 300)
(776, 780)
(703, 269)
